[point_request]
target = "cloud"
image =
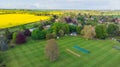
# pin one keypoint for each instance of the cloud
(114, 4)
(36, 5)
(61, 4)
(74, 0)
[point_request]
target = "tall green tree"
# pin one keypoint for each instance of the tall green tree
(78, 29)
(112, 29)
(72, 28)
(38, 34)
(65, 28)
(101, 31)
(56, 27)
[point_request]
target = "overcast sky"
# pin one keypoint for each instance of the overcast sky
(60, 4)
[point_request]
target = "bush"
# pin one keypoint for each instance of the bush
(54, 34)
(78, 29)
(20, 38)
(27, 32)
(101, 31)
(1, 59)
(35, 33)
(35, 25)
(81, 19)
(8, 34)
(43, 34)
(112, 29)
(54, 17)
(38, 34)
(61, 33)
(65, 28)
(118, 33)
(40, 27)
(14, 37)
(50, 30)
(72, 28)
(22, 27)
(50, 36)
(56, 27)
(68, 19)
(12, 44)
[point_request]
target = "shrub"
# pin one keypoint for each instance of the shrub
(35, 33)
(72, 28)
(50, 30)
(101, 31)
(81, 19)
(56, 27)
(14, 37)
(40, 27)
(78, 29)
(43, 34)
(118, 33)
(22, 27)
(38, 34)
(61, 33)
(51, 50)
(12, 44)
(1, 59)
(27, 32)
(112, 29)
(3, 43)
(55, 16)
(68, 19)
(54, 34)
(20, 38)
(50, 36)
(8, 34)
(65, 28)
(35, 25)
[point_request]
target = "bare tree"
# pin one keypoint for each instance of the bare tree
(51, 50)
(88, 32)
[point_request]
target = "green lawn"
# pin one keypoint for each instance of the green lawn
(31, 54)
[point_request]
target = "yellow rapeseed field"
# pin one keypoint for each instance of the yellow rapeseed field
(10, 20)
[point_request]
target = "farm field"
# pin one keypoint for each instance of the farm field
(31, 54)
(10, 20)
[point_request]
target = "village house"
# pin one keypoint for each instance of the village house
(117, 20)
(46, 26)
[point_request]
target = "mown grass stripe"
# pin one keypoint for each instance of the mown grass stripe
(32, 54)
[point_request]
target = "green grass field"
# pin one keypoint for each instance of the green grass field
(31, 54)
